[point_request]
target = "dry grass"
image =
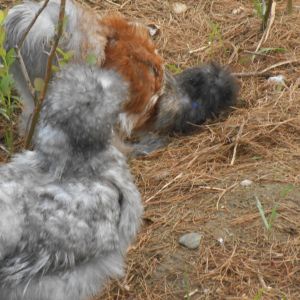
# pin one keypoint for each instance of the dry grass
(193, 184)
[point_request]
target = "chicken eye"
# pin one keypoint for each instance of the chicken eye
(112, 41)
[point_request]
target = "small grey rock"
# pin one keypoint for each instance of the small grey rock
(179, 8)
(191, 240)
(246, 183)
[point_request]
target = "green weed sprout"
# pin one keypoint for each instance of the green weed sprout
(8, 102)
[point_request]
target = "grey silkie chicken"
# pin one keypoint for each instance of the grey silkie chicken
(69, 209)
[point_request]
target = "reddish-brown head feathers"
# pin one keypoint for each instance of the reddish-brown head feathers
(132, 53)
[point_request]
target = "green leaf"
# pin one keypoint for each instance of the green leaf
(59, 51)
(2, 17)
(62, 63)
(38, 84)
(269, 50)
(262, 213)
(2, 37)
(54, 68)
(6, 84)
(4, 114)
(3, 71)
(258, 8)
(215, 32)
(9, 138)
(273, 215)
(10, 56)
(91, 59)
(68, 55)
(173, 68)
(259, 295)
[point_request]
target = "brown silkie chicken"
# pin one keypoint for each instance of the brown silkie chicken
(132, 53)
(157, 100)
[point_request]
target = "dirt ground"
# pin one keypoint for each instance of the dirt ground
(194, 184)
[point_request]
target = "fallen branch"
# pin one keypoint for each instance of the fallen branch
(164, 187)
(198, 49)
(259, 54)
(48, 73)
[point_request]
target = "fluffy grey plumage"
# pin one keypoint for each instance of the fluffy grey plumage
(69, 209)
(193, 96)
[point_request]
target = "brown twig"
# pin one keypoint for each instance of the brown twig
(224, 192)
(113, 3)
(25, 73)
(264, 72)
(165, 186)
(236, 143)
(198, 49)
(259, 54)
(19, 57)
(48, 73)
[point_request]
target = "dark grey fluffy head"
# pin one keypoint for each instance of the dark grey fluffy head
(82, 105)
(193, 96)
(210, 88)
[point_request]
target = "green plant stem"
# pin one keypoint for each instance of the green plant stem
(267, 14)
(48, 74)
